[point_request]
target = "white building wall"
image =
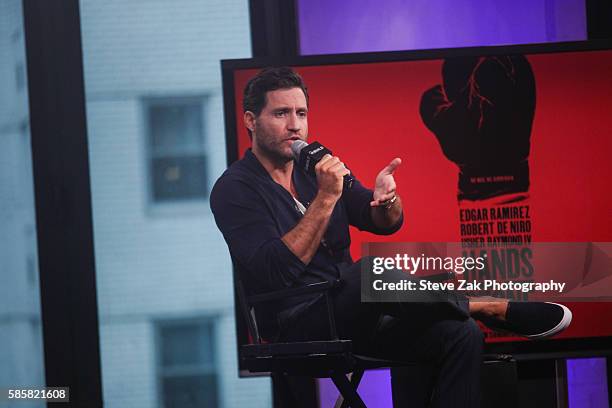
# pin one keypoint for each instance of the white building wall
(157, 263)
(21, 355)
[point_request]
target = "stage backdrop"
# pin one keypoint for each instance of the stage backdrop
(528, 131)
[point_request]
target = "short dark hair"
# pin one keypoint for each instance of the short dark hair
(270, 79)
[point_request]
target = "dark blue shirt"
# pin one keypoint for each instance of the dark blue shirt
(253, 212)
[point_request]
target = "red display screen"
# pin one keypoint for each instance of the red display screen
(533, 129)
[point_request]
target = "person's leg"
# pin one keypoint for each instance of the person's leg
(357, 319)
(443, 362)
(438, 337)
(413, 385)
(535, 320)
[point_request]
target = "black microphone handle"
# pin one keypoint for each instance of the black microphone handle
(310, 154)
(348, 181)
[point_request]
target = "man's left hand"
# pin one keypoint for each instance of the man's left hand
(384, 187)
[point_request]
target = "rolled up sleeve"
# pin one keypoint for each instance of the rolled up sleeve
(357, 202)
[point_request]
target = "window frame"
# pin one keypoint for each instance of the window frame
(185, 206)
(211, 368)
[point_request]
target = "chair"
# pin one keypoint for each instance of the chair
(332, 358)
(318, 359)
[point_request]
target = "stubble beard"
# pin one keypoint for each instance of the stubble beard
(272, 151)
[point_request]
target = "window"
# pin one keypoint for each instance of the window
(177, 160)
(187, 375)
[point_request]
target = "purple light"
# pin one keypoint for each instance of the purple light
(374, 389)
(587, 385)
(342, 26)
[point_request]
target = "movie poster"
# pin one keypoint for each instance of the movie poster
(495, 149)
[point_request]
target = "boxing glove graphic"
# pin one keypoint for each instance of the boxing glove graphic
(482, 115)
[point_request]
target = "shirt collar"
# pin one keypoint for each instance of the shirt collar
(253, 164)
(300, 179)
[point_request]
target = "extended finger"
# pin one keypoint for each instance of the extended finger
(391, 167)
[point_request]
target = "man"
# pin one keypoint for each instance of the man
(286, 229)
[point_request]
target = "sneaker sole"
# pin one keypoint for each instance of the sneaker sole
(562, 325)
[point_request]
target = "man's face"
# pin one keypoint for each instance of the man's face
(283, 120)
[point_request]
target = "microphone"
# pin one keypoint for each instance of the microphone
(308, 155)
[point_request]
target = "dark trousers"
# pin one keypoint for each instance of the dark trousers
(439, 339)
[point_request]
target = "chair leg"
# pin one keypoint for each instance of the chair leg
(355, 380)
(349, 393)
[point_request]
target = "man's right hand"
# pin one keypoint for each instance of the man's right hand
(304, 239)
(330, 173)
